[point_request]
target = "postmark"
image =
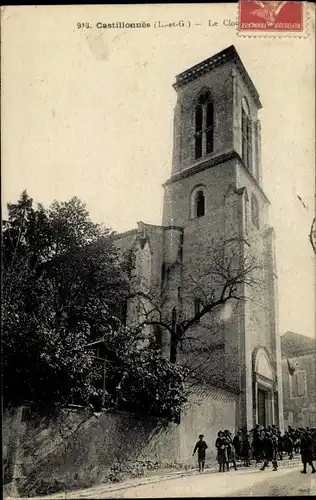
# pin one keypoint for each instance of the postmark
(266, 18)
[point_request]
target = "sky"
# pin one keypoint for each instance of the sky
(88, 112)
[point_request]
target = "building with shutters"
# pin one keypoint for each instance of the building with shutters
(215, 192)
(299, 379)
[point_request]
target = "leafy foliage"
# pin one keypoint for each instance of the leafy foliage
(139, 379)
(62, 285)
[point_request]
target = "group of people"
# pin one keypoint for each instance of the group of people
(264, 445)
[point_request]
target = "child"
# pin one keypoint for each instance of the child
(201, 447)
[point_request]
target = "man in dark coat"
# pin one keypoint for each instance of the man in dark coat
(270, 451)
(307, 452)
(245, 450)
(313, 436)
(280, 444)
(237, 443)
(258, 445)
(201, 447)
(288, 445)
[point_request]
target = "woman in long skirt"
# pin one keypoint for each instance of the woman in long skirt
(221, 445)
(230, 449)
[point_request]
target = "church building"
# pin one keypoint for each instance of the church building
(214, 195)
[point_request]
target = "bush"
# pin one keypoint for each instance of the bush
(139, 379)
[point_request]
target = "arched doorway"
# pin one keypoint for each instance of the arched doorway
(263, 387)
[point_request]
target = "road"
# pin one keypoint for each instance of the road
(284, 482)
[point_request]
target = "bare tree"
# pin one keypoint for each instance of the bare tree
(222, 278)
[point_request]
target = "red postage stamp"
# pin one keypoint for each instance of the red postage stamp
(270, 16)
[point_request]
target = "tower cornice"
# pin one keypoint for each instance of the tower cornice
(213, 162)
(201, 165)
(226, 55)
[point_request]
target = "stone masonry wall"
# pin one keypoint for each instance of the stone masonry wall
(71, 449)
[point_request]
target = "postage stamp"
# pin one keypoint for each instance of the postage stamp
(279, 17)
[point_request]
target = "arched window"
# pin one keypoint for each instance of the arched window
(200, 204)
(197, 208)
(204, 126)
(254, 211)
(246, 134)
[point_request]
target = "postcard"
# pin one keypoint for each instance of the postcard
(158, 201)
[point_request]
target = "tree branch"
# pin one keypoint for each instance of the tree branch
(312, 235)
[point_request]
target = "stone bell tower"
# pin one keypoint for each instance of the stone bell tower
(215, 192)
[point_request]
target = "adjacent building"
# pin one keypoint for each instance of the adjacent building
(299, 380)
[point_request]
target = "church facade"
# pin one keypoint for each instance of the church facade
(213, 196)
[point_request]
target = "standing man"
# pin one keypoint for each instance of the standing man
(257, 443)
(288, 445)
(297, 441)
(245, 450)
(313, 436)
(270, 451)
(237, 443)
(201, 447)
(307, 452)
(280, 445)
